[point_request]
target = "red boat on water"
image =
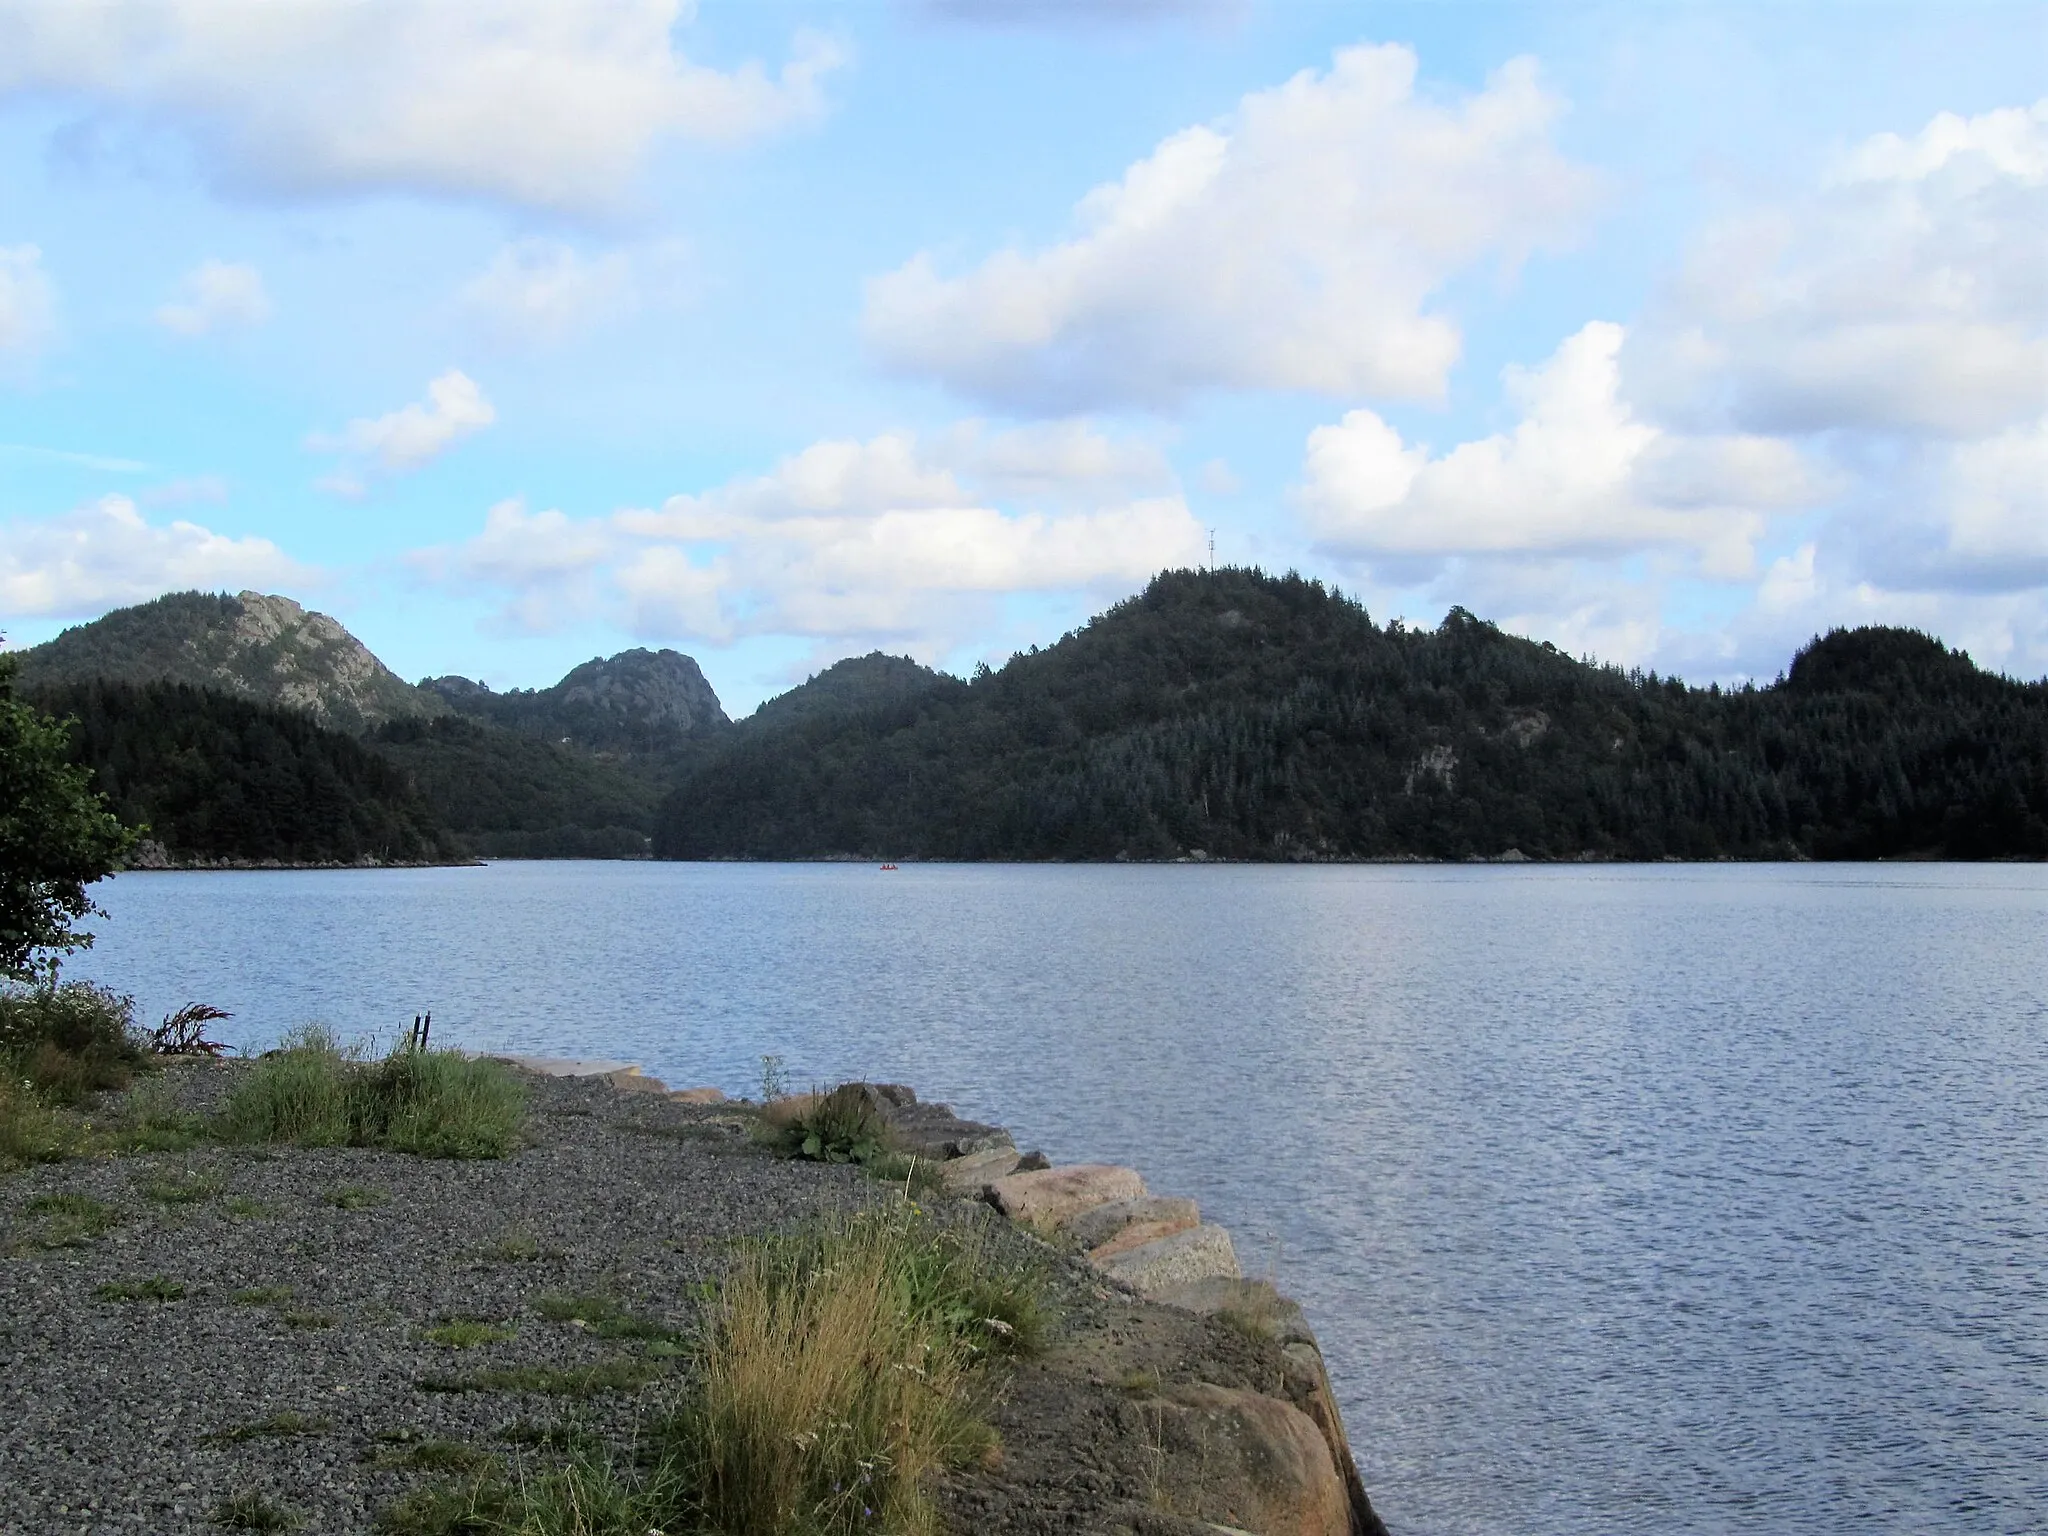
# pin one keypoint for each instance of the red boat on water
(887, 867)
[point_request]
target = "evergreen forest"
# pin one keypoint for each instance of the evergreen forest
(1232, 714)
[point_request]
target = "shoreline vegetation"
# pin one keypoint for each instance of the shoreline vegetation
(1224, 715)
(418, 1292)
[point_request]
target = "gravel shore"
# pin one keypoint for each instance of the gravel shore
(145, 1415)
(225, 1322)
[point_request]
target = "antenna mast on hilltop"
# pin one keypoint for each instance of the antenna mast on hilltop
(1212, 549)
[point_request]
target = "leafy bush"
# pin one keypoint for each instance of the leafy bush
(846, 1125)
(313, 1092)
(68, 1041)
(30, 1132)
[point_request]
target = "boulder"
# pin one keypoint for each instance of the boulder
(1046, 1197)
(1093, 1228)
(1195, 1254)
(973, 1174)
(633, 1080)
(698, 1095)
(1245, 1461)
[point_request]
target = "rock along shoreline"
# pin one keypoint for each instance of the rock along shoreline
(1155, 1248)
(187, 1326)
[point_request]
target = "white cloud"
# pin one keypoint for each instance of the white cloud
(1297, 246)
(876, 539)
(411, 437)
(548, 102)
(216, 294)
(1578, 474)
(105, 554)
(1906, 294)
(28, 305)
(537, 290)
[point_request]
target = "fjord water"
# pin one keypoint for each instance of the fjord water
(1625, 1199)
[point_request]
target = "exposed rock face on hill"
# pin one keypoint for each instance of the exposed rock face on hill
(636, 701)
(253, 646)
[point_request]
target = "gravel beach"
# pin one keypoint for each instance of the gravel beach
(207, 1324)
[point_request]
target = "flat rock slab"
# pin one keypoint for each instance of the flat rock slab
(1049, 1196)
(974, 1173)
(1113, 1222)
(1197, 1254)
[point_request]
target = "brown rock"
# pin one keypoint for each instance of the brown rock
(1045, 1198)
(1259, 1464)
(1109, 1223)
(633, 1080)
(973, 1174)
(1165, 1262)
(698, 1095)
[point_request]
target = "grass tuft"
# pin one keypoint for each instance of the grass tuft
(357, 1197)
(466, 1333)
(180, 1189)
(305, 1319)
(153, 1288)
(451, 1456)
(315, 1092)
(71, 1221)
(601, 1315)
(251, 1511)
(839, 1372)
(519, 1246)
(262, 1296)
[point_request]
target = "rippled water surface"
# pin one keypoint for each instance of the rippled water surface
(1667, 1199)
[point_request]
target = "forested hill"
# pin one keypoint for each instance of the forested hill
(262, 648)
(215, 779)
(1250, 716)
(638, 701)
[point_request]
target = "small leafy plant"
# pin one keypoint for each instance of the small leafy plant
(154, 1288)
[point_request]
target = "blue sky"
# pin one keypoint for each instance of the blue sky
(514, 335)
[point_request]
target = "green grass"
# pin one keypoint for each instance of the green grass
(30, 1130)
(152, 1288)
(314, 1092)
(66, 1043)
(251, 1511)
(71, 1221)
(242, 1208)
(262, 1296)
(450, 1456)
(357, 1197)
(839, 1372)
(150, 1120)
(180, 1189)
(618, 1375)
(604, 1316)
(282, 1425)
(466, 1333)
(305, 1320)
(519, 1247)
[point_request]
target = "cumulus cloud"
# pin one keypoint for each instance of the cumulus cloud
(216, 295)
(411, 437)
(28, 306)
(1906, 294)
(105, 554)
(870, 540)
(547, 102)
(537, 290)
(1296, 246)
(1579, 473)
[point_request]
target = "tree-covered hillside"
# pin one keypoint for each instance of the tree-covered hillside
(218, 778)
(512, 796)
(1251, 716)
(638, 702)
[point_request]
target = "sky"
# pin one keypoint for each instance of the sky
(517, 334)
